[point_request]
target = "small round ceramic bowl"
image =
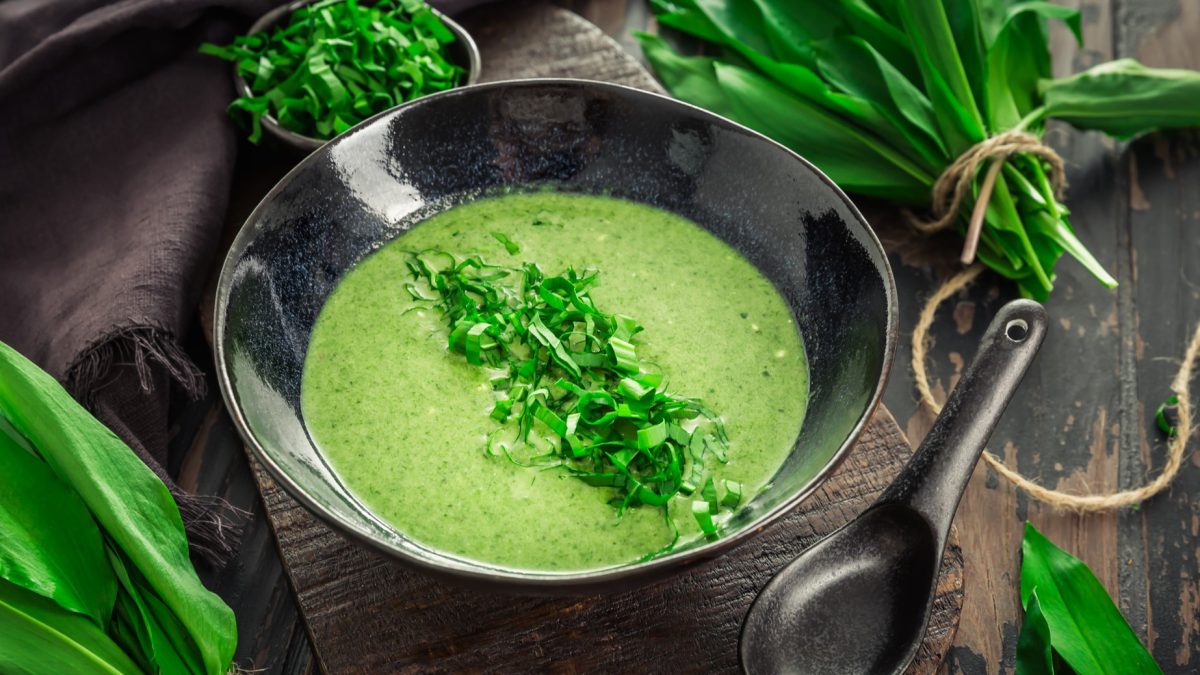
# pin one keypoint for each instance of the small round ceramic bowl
(462, 52)
(368, 186)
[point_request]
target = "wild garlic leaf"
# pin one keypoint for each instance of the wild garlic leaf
(1017, 59)
(682, 15)
(992, 14)
(131, 505)
(50, 545)
(849, 155)
(1123, 98)
(1086, 628)
(879, 24)
(740, 21)
(853, 65)
(691, 78)
(744, 44)
(963, 18)
(159, 641)
(38, 637)
(792, 27)
(943, 72)
(1061, 233)
(1034, 655)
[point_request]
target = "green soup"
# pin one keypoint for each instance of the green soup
(404, 421)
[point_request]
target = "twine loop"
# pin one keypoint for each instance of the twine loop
(1055, 498)
(955, 182)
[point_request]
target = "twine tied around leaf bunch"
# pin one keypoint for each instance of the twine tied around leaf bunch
(955, 182)
(1055, 498)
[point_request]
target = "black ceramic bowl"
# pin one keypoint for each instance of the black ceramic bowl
(462, 52)
(370, 185)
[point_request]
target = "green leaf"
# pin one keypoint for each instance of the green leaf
(683, 16)
(50, 544)
(928, 26)
(1123, 98)
(792, 26)
(1059, 231)
(740, 21)
(730, 19)
(1018, 59)
(1003, 211)
(703, 516)
(1071, 18)
(733, 494)
(1086, 628)
(37, 637)
(856, 160)
(854, 110)
(992, 14)
(132, 506)
(159, 641)
(1034, 655)
(884, 34)
(690, 78)
(1165, 409)
(852, 65)
(963, 17)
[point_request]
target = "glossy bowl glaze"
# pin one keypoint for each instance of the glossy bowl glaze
(462, 52)
(368, 186)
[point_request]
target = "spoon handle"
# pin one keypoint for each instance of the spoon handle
(934, 480)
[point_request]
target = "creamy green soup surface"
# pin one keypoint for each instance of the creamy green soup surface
(404, 421)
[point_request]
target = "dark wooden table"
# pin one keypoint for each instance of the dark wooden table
(1083, 419)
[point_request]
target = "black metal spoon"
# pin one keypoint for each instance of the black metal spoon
(858, 601)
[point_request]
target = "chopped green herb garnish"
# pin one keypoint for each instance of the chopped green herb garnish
(733, 494)
(509, 245)
(700, 509)
(568, 375)
(335, 63)
(709, 494)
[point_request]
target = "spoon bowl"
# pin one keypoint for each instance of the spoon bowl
(883, 562)
(858, 601)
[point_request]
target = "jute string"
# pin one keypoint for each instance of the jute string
(952, 187)
(1062, 500)
(955, 182)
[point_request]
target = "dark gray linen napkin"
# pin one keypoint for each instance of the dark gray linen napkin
(116, 157)
(115, 163)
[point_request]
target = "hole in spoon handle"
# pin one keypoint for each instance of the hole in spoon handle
(1016, 330)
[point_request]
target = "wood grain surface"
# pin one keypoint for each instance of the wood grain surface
(1083, 419)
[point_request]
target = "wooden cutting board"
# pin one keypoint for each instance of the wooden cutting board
(366, 614)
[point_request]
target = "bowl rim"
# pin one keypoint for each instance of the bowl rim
(545, 580)
(310, 143)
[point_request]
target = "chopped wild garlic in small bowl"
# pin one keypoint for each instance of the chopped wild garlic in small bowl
(310, 70)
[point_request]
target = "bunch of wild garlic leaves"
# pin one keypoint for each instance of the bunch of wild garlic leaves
(95, 575)
(883, 95)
